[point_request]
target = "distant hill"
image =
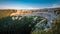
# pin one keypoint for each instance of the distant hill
(4, 12)
(7, 12)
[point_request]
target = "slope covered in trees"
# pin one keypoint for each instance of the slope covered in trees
(18, 26)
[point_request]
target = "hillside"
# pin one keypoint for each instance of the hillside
(7, 12)
(4, 13)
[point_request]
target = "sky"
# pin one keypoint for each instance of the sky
(28, 4)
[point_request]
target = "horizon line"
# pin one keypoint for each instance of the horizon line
(25, 8)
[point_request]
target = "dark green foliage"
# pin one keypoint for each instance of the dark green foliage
(17, 26)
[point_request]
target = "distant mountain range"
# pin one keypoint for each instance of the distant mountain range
(8, 12)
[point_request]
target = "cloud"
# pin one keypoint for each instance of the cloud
(56, 5)
(16, 7)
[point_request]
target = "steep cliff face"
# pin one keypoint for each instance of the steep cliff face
(4, 13)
